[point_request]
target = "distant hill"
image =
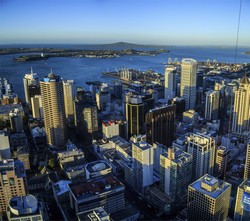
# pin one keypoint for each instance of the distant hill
(125, 45)
(248, 52)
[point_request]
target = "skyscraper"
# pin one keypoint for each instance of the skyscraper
(202, 148)
(208, 199)
(53, 110)
(175, 172)
(160, 125)
(247, 164)
(31, 86)
(220, 160)
(69, 91)
(188, 82)
(143, 158)
(242, 206)
(170, 84)
(241, 115)
(16, 120)
(91, 119)
(134, 115)
(37, 106)
(13, 181)
(212, 105)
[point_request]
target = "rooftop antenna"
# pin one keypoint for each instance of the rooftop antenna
(31, 70)
(51, 71)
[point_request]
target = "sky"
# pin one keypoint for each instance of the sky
(167, 22)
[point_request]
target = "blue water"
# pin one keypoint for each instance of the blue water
(89, 69)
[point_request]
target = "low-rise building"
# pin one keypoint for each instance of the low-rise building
(97, 168)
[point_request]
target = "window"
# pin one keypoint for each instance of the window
(12, 181)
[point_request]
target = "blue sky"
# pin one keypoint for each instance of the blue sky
(168, 22)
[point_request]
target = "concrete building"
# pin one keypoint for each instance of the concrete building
(53, 110)
(134, 115)
(242, 206)
(188, 82)
(143, 161)
(220, 160)
(110, 129)
(23, 156)
(160, 125)
(25, 208)
(117, 90)
(202, 148)
(175, 172)
(170, 83)
(16, 120)
(212, 105)
(12, 182)
(190, 116)
(37, 106)
(158, 150)
(97, 168)
(104, 191)
(179, 106)
(91, 119)
(31, 86)
(241, 115)
(247, 163)
(69, 91)
(4, 146)
(102, 98)
(208, 199)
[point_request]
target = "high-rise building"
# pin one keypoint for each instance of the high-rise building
(143, 158)
(220, 161)
(31, 86)
(175, 172)
(160, 124)
(212, 105)
(53, 110)
(179, 106)
(208, 199)
(241, 115)
(247, 164)
(117, 90)
(242, 206)
(110, 129)
(170, 83)
(202, 148)
(4, 146)
(13, 181)
(16, 120)
(91, 119)
(69, 91)
(37, 106)
(134, 115)
(102, 99)
(188, 82)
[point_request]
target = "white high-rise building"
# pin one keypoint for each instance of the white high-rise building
(202, 148)
(188, 82)
(170, 83)
(143, 157)
(212, 105)
(69, 91)
(241, 115)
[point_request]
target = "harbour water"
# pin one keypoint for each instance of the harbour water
(89, 69)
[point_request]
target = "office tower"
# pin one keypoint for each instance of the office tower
(91, 119)
(212, 105)
(4, 146)
(110, 129)
(247, 164)
(202, 148)
(102, 98)
(208, 199)
(16, 120)
(117, 90)
(220, 161)
(175, 172)
(241, 115)
(69, 91)
(160, 125)
(13, 181)
(170, 84)
(143, 158)
(134, 115)
(37, 106)
(188, 82)
(53, 110)
(179, 106)
(242, 206)
(31, 86)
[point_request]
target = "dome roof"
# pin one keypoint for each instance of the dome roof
(244, 80)
(51, 76)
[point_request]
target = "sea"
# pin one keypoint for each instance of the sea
(83, 70)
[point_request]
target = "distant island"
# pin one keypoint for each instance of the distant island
(45, 53)
(248, 52)
(125, 45)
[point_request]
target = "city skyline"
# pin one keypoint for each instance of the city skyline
(142, 22)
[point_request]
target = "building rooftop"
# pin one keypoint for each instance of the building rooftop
(11, 164)
(245, 80)
(98, 214)
(210, 186)
(142, 145)
(97, 166)
(108, 123)
(62, 187)
(7, 108)
(178, 156)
